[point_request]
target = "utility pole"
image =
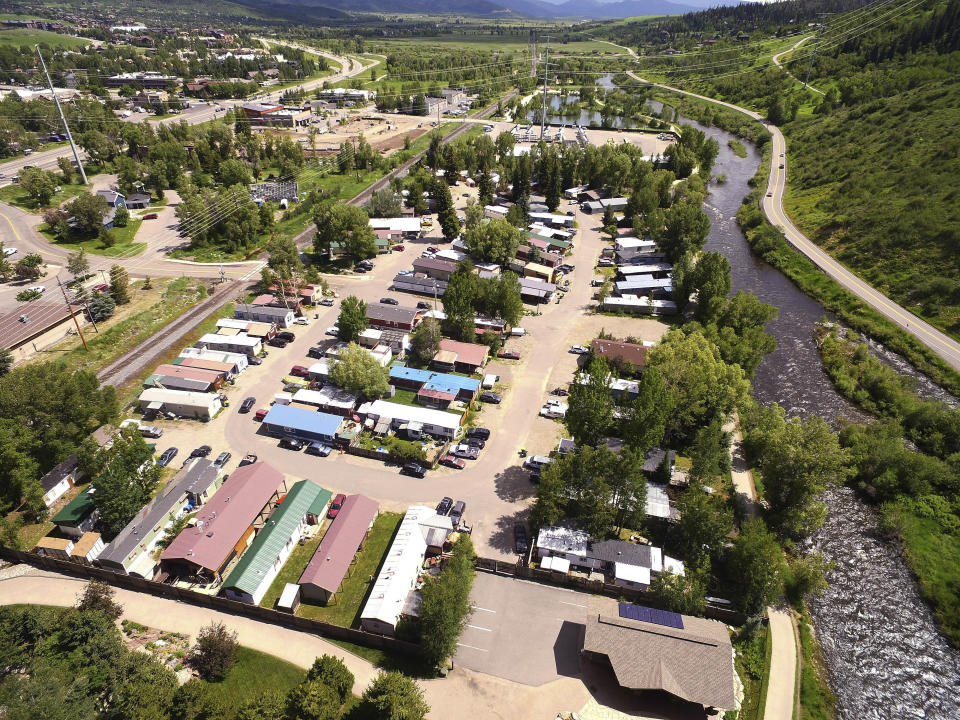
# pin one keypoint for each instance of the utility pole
(546, 64)
(76, 155)
(816, 45)
(73, 315)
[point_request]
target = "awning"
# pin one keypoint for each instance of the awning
(631, 573)
(155, 405)
(557, 564)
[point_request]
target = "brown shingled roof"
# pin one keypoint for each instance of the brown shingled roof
(616, 350)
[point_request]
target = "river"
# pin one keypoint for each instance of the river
(885, 655)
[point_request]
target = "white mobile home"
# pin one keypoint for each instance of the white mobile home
(201, 406)
(245, 344)
(434, 422)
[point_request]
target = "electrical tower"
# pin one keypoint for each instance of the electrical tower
(816, 45)
(543, 110)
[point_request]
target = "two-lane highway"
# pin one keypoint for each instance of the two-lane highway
(772, 204)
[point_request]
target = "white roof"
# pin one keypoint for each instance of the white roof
(658, 503)
(288, 595)
(557, 564)
(519, 150)
(454, 255)
(215, 355)
(409, 413)
(645, 269)
(400, 224)
(400, 568)
(673, 565)
(632, 243)
(563, 539)
(636, 301)
(330, 396)
(214, 339)
(631, 573)
(181, 397)
(371, 334)
(550, 217)
(321, 367)
(498, 209)
(233, 323)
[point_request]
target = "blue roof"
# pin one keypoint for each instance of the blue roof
(445, 381)
(306, 420)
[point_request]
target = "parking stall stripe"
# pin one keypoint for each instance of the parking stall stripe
(574, 604)
(477, 607)
(472, 647)
(477, 627)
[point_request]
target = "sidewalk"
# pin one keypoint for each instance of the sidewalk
(781, 688)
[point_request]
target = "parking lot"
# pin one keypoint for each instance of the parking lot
(524, 631)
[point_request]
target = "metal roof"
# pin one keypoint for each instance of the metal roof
(263, 552)
(76, 510)
(298, 419)
(469, 353)
(330, 562)
(433, 378)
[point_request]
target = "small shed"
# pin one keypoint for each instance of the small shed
(289, 599)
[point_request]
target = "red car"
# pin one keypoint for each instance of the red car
(336, 505)
(150, 216)
(433, 249)
(451, 461)
(398, 248)
(299, 371)
(102, 287)
(508, 355)
(260, 415)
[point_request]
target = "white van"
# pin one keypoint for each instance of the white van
(283, 398)
(518, 332)
(489, 381)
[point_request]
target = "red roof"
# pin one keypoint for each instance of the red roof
(614, 349)
(436, 394)
(226, 517)
(468, 353)
(332, 559)
(186, 371)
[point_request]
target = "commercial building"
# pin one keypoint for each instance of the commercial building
(460, 357)
(60, 479)
(197, 405)
(408, 227)
(432, 422)
(284, 421)
(78, 516)
(257, 112)
(25, 330)
(282, 317)
(654, 651)
(131, 551)
(225, 525)
(245, 344)
(388, 599)
(251, 578)
(343, 540)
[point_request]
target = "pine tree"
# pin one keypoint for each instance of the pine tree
(119, 285)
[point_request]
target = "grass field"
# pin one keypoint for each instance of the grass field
(123, 245)
(30, 37)
(253, 674)
(15, 195)
(345, 609)
(817, 701)
(753, 667)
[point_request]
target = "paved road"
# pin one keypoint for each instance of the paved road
(781, 690)
(944, 346)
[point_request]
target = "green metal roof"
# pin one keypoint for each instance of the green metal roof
(76, 510)
(319, 505)
(551, 240)
(266, 546)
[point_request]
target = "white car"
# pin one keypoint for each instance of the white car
(8, 251)
(302, 321)
(579, 350)
(554, 409)
(37, 288)
(333, 331)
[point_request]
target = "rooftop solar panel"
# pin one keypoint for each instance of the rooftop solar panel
(651, 615)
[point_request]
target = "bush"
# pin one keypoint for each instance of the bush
(215, 651)
(98, 596)
(101, 308)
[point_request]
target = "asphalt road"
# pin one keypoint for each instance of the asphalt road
(772, 204)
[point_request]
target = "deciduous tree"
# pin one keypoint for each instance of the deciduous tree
(119, 285)
(88, 210)
(215, 651)
(352, 319)
(357, 371)
(589, 416)
(755, 567)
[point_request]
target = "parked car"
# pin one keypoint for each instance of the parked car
(508, 355)
(433, 249)
(360, 269)
(389, 301)
(8, 251)
(333, 331)
(298, 371)
(489, 397)
(201, 451)
(454, 462)
(260, 415)
(476, 442)
(315, 352)
(579, 350)
(335, 505)
(318, 449)
(150, 431)
(481, 432)
(277, 342)
(248, 459)
(567, 268)
(518, 332)
(456, 514)
(37, 288)
(290, 443)
(605, 262)
(286, 335)
(222, 459)
(398, 248)
(423, 305)
(247, 405)
(444, 506)
(466, 451)
(554, 409)
(302, 321)
(597, 282)
(254, 360)
(415, 469)
(328, 302)
(167, 455)
(150, 216)
(520, 539)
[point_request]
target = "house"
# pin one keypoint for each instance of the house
(249, 346)
(437, 423)
(495, 211)
(238, 361)
(197, 405)
(654, 269)
(114, 200)
(533, 290)
(566, 544)
(620, 353)
(461, 357)
(388, 598)
(87, 548)
(419, 283)
(633, 243)
(551, 220)
(138, 201)
(639, 304)
(225, 525)
(626, 564)
(178, 382)
(415, 379)
(286, 421)
(282, 317)
(661, 287)
(60, 479)
(224, 367)
(654, 651)
(343, 540)
(251, 578)
(329, 399)
(381, 315)
(78, 516)
(435, 268)
(131, 551)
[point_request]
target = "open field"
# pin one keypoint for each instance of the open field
(30, 37)
(123, 245)
(15, 195)
(253, 674)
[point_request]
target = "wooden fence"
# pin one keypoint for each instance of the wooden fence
(131, 582)
(499, 567)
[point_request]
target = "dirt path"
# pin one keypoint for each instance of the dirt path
(783, 667)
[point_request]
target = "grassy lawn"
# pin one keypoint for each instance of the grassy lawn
(123, 245)
(817, 701)
(292, 570)
(753, 666)
(15, 195)
(28, 36)
(146, 313)
(30, 535)
(349, 600)
(253, 674)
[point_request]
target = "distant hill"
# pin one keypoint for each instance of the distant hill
(597, 10)
(538, 9)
